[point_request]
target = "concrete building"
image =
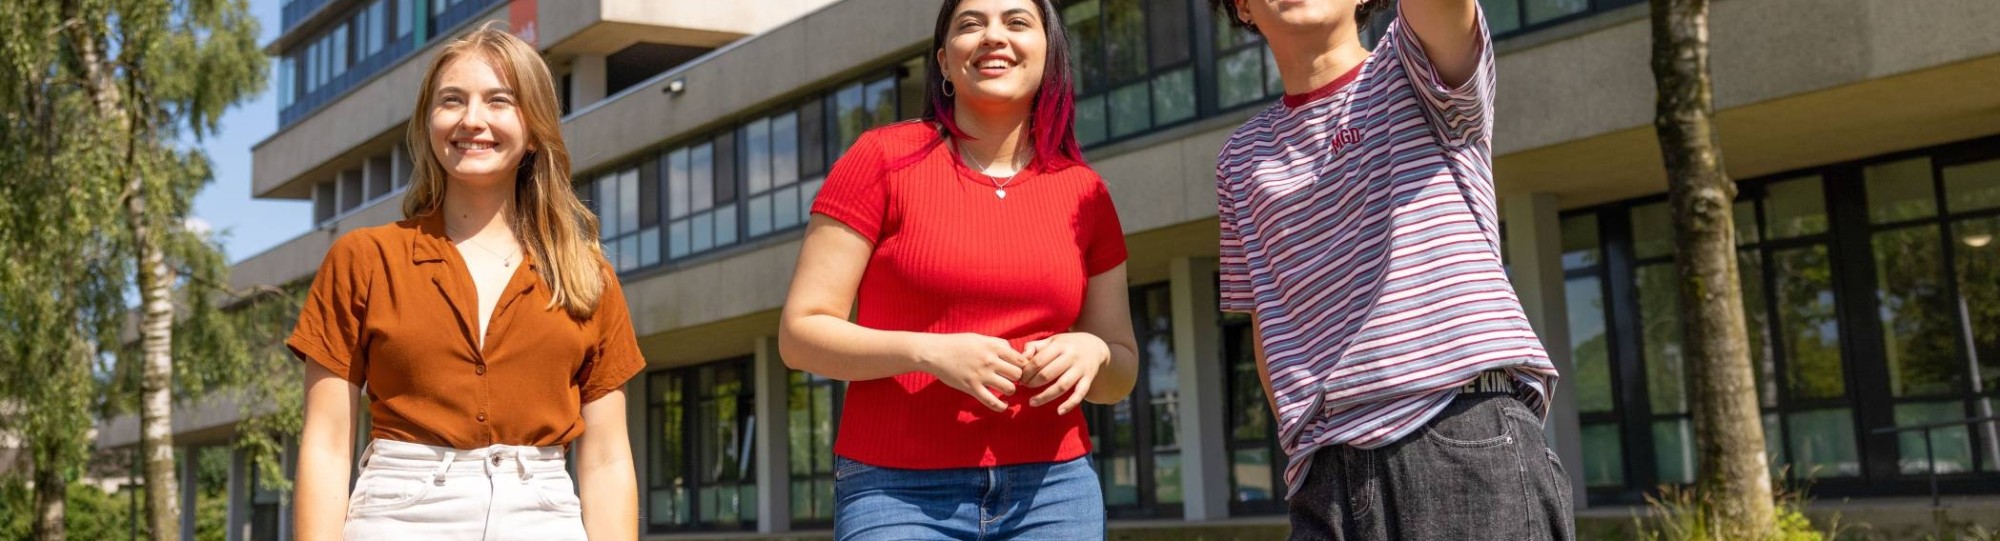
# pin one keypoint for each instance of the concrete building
(1866, 136)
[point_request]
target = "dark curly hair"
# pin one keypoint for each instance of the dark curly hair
(1363, 13)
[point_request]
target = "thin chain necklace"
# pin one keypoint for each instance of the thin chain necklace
(999, 186)
(506, 261)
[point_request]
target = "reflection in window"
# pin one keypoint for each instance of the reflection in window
(1136, 441)
(1916, 313)
(814, 408)
(1134, 70)
(701, 421)
(1811, 326)
(1256, 463)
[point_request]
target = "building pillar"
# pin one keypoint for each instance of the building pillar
(772, 433)
(239, 497)
(1198, 364)
(1534, 248)
(587, 78)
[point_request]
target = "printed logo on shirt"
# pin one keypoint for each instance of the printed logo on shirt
(1343, 137)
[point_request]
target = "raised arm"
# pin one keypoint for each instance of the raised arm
(1448, 30)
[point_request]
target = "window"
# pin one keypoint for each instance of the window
(772, 172)
(1590, 352)
(814, 406)
(1133, 64)
(1509, 17)
(1932, 219)
(628, 216)
(1135, 441)
(700, 198)
(700, 422)
(1245, 71)
(1256, 463)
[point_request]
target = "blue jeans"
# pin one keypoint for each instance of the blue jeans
(1052, 500)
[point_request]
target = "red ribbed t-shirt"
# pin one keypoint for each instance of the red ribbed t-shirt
(950, 256)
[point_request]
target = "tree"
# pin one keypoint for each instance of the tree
(99, 94)
(1733, 470)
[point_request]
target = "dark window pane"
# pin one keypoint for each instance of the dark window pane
(701, 177)
(1659, 317)
(1125, 39)
(1972, 186)
(911, 101)
(1579, 241)
(1603, 456)
(649, 193)
(1502, 16)
(882, 102)
(1090, 128)
(1918, 327)
(1810, 326)
(1086, 41)
(1952, 446)
(1546, 10)
(1131, 109)
(1823, 444)
(850, 116)
(1173, 96)
(1745, 217)
(1900, 191)
(1167, 478)
(1795, 207)
(1978, 268)
(1240, 77)
(1588, 343)
(1250, 475)
(812, 138)
(1673, 451)
(725, 169)
(784, 150)
(1652, 230)
(1757, 325)
(1168, 32)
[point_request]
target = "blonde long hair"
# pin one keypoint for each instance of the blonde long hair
(551, 223)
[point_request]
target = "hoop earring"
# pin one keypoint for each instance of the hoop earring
(949, 89)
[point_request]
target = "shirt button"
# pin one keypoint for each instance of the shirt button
(482, 417)
(481, 370)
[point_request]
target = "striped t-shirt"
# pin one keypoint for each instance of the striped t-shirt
(1360, 227)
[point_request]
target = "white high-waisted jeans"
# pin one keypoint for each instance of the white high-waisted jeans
(413, 491)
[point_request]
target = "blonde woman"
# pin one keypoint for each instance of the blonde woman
(486, 328)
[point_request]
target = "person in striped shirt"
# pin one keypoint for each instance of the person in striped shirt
(1360, 232)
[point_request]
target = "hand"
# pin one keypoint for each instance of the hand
(974, 364)
(1066, 363)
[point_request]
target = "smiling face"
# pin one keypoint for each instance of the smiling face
(476, 129)
(995, 51)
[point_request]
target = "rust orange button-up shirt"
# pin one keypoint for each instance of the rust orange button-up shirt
(394, 308)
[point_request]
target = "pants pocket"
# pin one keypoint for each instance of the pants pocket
(556, 493)
(1465, 479)
(379, 491)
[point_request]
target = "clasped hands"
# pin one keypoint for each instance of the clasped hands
(982, 366)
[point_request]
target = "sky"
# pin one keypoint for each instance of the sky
(248, 226)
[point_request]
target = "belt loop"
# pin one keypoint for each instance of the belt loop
(437, 477)
(521, 463)
(368, 453)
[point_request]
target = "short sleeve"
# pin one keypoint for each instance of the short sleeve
(1461, 115)
(1233, 267)
(330, 331)
(615, 358)
(854, 193)
(1104, 244)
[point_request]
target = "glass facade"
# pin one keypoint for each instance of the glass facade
(699, 422)
(1867, 289)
